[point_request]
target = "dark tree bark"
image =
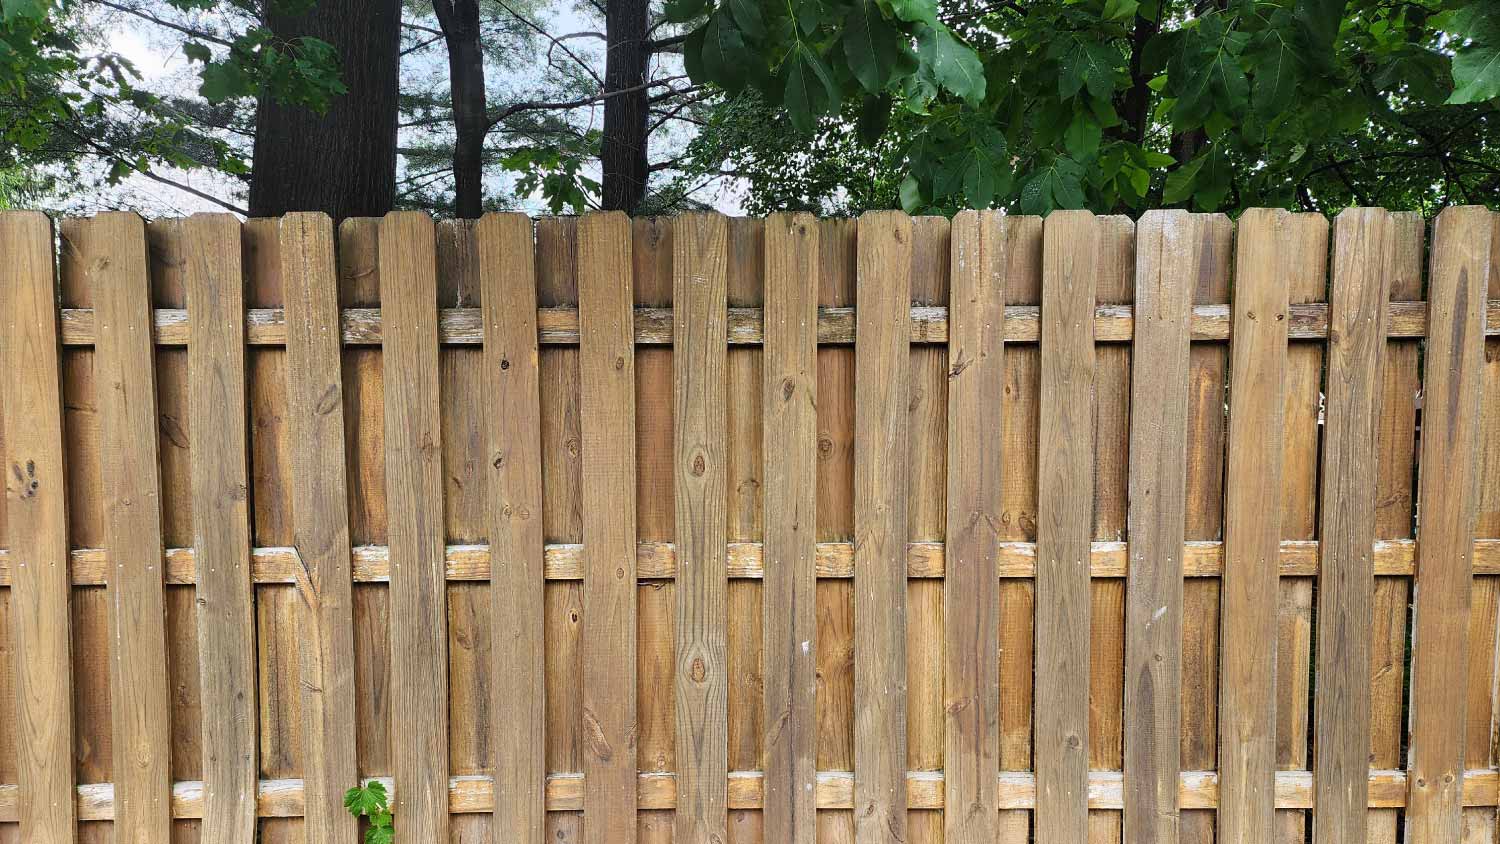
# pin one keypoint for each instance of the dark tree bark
(623, 155)
(342, 162)
(460, 22)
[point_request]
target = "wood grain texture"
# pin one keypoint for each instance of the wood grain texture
(1394, 519)
(112, 248)
(221, 524)
(1363, 257)
(518, 702)
(1065, 484)
(320, 523)
(607, 414)
(1462, 252)
(414, 495)
(557, 325)
(1256, 403)
(882, 373)
(698, 433)
(36, 529)
(971, 606)
(1173, 250)
(790, 404)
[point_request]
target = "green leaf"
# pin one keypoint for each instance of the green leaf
(874, 119)
(1180, 182)
(1476, 74)
(225, 80)
(1320, 19)
(916, 11)
(979, 184)
(725, 59)
(33, 9)
(810, 92)
(1277, 72)
(911, 195)
(1082, 136)
(380, 835)
(368, 799)
(747, 15)
(692, 54)
(682, 11)
(197, 52)
(1119, 9)
(1089, 64)
(871, 45)
(951, 63)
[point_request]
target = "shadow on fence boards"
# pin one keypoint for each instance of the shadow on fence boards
(725, 530)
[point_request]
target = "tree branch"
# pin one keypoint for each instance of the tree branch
(185, 30)
(512, 110)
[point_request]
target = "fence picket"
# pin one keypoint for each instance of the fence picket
(1171, 254)
(1018, 518)
(113, 252)
(976, 372)
(1462, 255)
(698, 364)
(414, 494)
(36, 524)
(1065, 492)
(221, 522)
(607, 414)
(319, 515)
(1363, 257)
(790, 403)
(1257, 400)
(517, 608)
(882, 372)
(1395, 494)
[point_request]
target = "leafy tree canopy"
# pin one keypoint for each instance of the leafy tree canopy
(60, 100)
(1104, 104)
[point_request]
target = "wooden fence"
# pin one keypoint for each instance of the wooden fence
(603, 530)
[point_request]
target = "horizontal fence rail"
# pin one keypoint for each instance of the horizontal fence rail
(991, 529)
(653, 326)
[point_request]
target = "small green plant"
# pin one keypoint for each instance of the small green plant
(369, 800)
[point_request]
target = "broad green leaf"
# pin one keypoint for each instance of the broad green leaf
(368, 799)
(951, 63)
(225, 80)
(725, 59)
(810, 92)
(747, 15)
(1277, 69)
(1320, 19)
(1180, 182)
(1119, 9)
(682, 11)
(874, 118)
(1082, 136)
(692, 54)
(33, 9)
(911, 195)
(916, 11)
(1476, 74)
(871, 45)
(979, 184)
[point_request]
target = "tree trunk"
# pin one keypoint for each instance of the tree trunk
(623, 153)
(342, 162)
(460, 22)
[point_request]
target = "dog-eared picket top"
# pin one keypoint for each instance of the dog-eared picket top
(731, 530)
